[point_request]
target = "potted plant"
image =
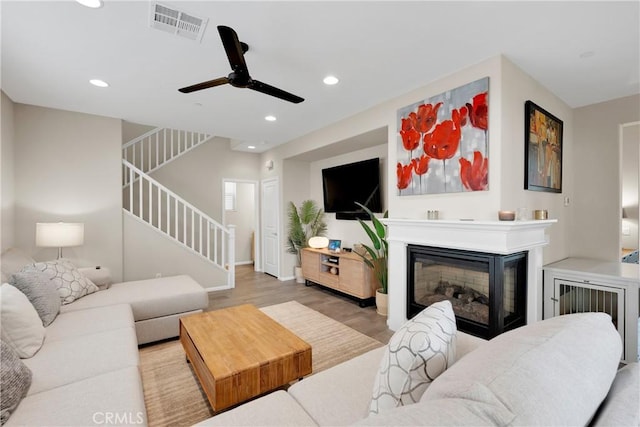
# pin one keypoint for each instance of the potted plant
(376, 256)
(304, 223)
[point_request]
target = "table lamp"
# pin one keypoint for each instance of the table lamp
(59, 235)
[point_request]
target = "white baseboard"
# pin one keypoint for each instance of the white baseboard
(284, 279)
(244, 262)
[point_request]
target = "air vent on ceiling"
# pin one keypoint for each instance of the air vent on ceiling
(180, 23)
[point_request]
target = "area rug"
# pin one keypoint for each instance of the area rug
(172, 393)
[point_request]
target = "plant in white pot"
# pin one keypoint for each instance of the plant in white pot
(304, 222)
(376, 256)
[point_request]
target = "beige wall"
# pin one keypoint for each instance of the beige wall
(348, 231)
(594, 230)
(132, 130)
(67, 168)
(630, 183)
(509, 88)
(7, 161)
(197, 176)
(517, 88)
(294, 187)
(244, 218)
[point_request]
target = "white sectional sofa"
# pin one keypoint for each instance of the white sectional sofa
(558, 372)
(86, 371)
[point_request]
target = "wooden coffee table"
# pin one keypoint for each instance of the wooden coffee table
(239, 353)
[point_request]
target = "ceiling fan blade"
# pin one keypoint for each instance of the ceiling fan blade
(274, 91)
(233, 48)
(205, 85)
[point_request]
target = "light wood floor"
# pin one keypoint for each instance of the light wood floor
(262, 290)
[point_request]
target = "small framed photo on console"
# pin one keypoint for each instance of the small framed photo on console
(334, 245)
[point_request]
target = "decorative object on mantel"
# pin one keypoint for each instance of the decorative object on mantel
(304, 223)
(433, 214)
(540, 214)
(376, 257)
(506, 215)
(543, 150)
(434, 133)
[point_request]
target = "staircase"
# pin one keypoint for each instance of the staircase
(155, 205)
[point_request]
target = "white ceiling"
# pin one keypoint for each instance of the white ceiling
(584, 52)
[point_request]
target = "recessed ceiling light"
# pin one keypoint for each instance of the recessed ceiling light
(251, 147)
(99, 83)
(330, 80)
(94, 4)
(270, 118)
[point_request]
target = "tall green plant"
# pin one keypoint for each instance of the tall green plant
(304, 223)
(377, 255)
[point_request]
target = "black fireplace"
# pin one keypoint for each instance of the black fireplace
(487, 291)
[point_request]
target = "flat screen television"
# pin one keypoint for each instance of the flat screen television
(344, 185)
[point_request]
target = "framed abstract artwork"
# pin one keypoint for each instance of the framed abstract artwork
(443, 142)
(543, 150)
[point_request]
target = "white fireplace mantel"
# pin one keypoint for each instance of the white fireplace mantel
(500, 237)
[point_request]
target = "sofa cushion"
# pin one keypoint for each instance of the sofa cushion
(19, 322)
(622, 405)
(91, 321)
(112, 398)
(345, 388)
(553, 372)
(15, 379)
(419, 351)
(275, 409)
(149, 298)
(71, 284)
(40, 291)
(66, 361)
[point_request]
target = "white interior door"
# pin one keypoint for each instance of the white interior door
(270, 229)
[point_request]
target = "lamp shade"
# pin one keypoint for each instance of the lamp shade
(318, 242)
(59, 234)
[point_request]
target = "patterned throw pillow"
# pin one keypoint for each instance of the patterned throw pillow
(15, 380)
(71, 284)
(41, 291)
(423, 348)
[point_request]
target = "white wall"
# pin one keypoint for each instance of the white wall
(294, 187)
(68, 168)
(7, 196)
(594, 230)
(132, 130)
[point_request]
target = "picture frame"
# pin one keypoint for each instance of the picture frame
(334, 245)
(542, 149)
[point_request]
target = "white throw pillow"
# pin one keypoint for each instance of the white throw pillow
(21, 326)
(423, 348)
(71, 284)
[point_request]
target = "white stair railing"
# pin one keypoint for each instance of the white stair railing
(156, 205)
(158, 147)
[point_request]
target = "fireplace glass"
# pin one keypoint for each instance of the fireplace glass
(487, 291)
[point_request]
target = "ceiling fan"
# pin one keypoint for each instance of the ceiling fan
(240, 77)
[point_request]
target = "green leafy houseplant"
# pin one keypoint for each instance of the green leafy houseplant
(377, 254)
(304, 223)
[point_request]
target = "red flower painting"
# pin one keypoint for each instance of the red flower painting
(410, 136)
(479, 111)
(421, 166)
(404, 173)
(451, 127)
(475, 176)
(443, 142)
